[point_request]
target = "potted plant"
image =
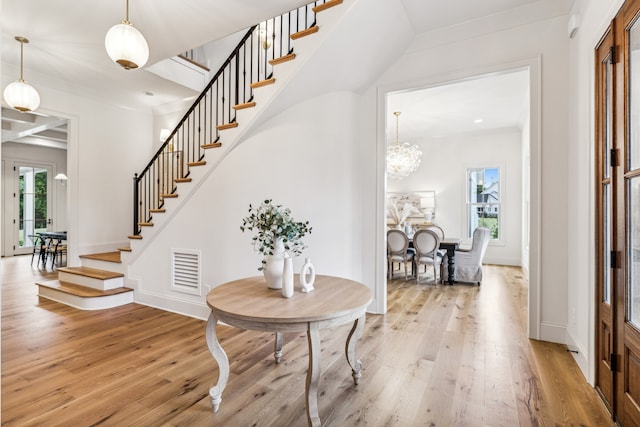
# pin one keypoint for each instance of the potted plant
(277, 232)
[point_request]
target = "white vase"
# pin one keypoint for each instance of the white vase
(287, 277)
(275, 264)
(428, 216)
(306, 283)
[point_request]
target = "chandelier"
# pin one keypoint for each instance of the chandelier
(20, 94)
(126, 45)
(402, 159)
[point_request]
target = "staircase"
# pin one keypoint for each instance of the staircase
(243, 82)
(89, 288)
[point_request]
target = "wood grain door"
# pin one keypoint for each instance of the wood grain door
(627, 293)
(618, 215)
(605, 274)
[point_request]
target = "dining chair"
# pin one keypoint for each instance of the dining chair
(39, 247)
(398, 251)
(56, 249)
(469, 261)
(440, 232)
(426, 243)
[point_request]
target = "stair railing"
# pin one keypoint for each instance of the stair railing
(199, 129)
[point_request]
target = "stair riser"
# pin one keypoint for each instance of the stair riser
(118, 267)
(91, 282)
(94, 303)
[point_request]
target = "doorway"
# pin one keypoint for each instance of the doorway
(450, 196)
(34, 152)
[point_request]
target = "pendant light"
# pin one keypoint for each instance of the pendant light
(402, 159)
(126, 45)
(20, 94)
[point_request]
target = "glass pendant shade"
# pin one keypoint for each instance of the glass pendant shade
(22, 96)
(126, 46)
(402, 159)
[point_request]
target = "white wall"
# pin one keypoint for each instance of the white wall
(443, 169)
(293, 158)
(594, 17)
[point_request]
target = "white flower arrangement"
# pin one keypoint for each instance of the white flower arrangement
(400, 215)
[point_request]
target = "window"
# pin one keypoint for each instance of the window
(484, 200)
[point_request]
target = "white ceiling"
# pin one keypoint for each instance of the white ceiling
(66, 48)
(497, 101)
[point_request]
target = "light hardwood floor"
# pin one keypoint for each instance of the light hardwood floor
(442, 356)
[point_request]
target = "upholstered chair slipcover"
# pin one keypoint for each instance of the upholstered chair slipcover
(426, 243)
(468, 263)
(398, 251)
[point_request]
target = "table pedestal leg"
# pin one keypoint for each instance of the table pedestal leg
(451, 263)
(350, 348)
(313, 375)
(221, 358)
(277, 353)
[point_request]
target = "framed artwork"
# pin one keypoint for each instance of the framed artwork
(411, 206)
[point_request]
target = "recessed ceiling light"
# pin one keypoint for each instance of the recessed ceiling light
(149, 93)
(477, 121)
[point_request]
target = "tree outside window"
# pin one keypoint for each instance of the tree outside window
(483, 200)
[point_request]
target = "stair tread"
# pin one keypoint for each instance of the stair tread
(160, 210)
(135, 236)
(91, 272)
(198, 163)
(245, 105)
(81, 291)
(105, 256)
(285, 58)
(212, 145)
(261, 83)
(227, 126)
(182, 180)
(327, 5)
(304, 33)
(123, 249)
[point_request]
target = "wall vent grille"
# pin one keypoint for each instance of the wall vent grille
(185, 271)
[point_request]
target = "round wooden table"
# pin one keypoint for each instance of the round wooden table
(250, 304)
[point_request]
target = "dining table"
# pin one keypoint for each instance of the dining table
(450, 245)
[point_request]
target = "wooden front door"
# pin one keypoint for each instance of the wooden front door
(605, 62)
(618, 215)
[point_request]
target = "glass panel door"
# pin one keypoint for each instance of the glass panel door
(33, 204)
(604, 218)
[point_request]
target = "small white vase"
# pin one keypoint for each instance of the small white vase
(272, 270)
(287, 277)
(306, 283)
(428, 216)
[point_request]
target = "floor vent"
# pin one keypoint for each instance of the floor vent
(185, 271)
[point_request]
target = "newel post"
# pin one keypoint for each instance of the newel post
(135, 204)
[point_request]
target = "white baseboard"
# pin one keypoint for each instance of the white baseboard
(553, 333)
(502, 261)
(579, 355)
